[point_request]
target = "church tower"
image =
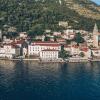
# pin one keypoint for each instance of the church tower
(96, 36)
(95, 30)
(0, 35)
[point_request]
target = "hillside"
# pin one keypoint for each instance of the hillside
(35, 16)
(85, 8)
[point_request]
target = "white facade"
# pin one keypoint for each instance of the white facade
(49, 54)
(36, 47)
(7, 51)
(69, 31)
(67, 48)
(68, 36)
(56, 33)
(5, 40)
(75, 50)
(96, 52)
(23, 35)
(63, 23)
(41, 37)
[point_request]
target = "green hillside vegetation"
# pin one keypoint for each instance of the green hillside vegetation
(35, 16)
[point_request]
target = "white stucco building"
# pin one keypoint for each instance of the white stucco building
(68, 34)
(40, 37)
(75, 50)
(9, 51)
(36, 47)
(56, 33)
(69, 31)
(49, 54)
(95, 52)
(23, 35)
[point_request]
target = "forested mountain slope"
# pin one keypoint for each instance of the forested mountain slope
(33, 15)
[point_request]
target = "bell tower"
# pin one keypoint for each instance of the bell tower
(0, 35)
(96, 36)
(95, 30)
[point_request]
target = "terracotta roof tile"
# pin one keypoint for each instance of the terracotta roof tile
(50, 50)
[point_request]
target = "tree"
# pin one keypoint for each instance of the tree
(55, 39)
(81, 54)
(12, 34)
(23, 14)
(78, 38)
(92, 55)
(37, 30)
(68, 41)
(47, 38)
(63, 54)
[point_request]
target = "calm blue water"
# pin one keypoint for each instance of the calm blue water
(33, 81)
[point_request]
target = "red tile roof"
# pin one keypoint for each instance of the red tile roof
(84, 49)
(95, 49)
(18, 42)
(75, 46)
(12, 45)
(53, 45)
(67, 46)
(46, 43)
(50, 50)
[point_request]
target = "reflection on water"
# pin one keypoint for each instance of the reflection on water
(34, 81)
